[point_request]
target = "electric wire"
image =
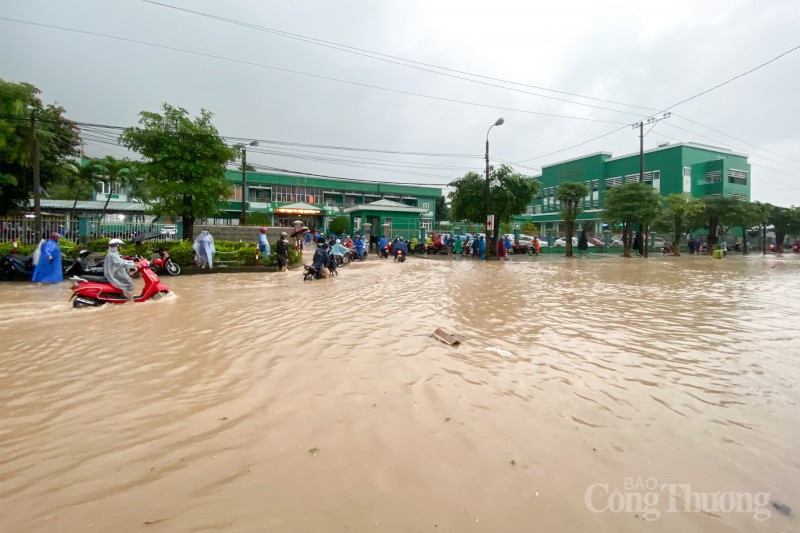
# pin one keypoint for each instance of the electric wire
(308, 74)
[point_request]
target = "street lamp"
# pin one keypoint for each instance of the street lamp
(243, 217)
(498, 122)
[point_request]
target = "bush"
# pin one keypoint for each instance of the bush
(339, 225)
(247, 256)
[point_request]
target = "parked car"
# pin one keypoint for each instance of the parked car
(595, 241)
(562, 242)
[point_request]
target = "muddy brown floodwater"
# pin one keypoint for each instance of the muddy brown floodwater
(586, 396)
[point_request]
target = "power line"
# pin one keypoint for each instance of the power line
(403, 61)
(307, 74)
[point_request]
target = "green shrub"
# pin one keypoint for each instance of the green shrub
(181, 252)
(23, 249)
(339, 225)
(247, 255)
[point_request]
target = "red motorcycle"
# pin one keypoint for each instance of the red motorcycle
(94, 291)
(163, 263)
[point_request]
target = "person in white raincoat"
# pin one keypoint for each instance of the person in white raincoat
(115, 269)
(204, 249)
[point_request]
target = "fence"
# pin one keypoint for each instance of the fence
(21, 229)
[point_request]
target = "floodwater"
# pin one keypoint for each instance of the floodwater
(582, 391)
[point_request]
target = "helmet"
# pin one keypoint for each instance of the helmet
(283, 234)
(338, 241)
(55, 236)
(263, 230)
(116, 242)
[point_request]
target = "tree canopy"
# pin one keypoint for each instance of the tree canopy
(510, 194)
(628, 203)
(786, 221)
(679, 210)
(57, 138)
(184, 163)
(570, 194)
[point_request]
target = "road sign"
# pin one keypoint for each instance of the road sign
(490, 222)
(169, 229)
(516, 225)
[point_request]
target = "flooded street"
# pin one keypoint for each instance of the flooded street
(257, 402)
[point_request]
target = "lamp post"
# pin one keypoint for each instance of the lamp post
(498, 122)
(243, 216)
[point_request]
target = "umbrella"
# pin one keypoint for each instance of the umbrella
(298, 231)
(583, 243)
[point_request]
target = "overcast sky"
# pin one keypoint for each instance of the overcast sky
(631, 52)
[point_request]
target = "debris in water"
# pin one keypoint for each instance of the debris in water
(513, 462)
(445, 337)
(781, 508)
(313, 451)
(447, 419)
(499, 351)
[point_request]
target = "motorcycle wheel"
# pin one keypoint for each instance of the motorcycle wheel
(363, 257)
(173, 269)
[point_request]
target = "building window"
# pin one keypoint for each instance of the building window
(687, 180)
(257, 194)
(632, 178)
(657, 180)
(425, 224)
(426, 205)
(738, 177)
(595, 185)
(104, 188)
(613, 182)
(714, 176)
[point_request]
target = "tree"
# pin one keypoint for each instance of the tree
(77, 182)
(184, 163)
(340, 225)
(746, 215)
(719, 210)
(786, 221)
(529, 228)
(679, 209)
(570, 194)
(510, 193)
(441, 209)
(628, 203)
(57, 139)
(114, 173)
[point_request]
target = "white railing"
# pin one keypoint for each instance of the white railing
(21, 229)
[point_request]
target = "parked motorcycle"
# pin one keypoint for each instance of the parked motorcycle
(94, 291)
(164, 263)
(16, 267)
(81, 266)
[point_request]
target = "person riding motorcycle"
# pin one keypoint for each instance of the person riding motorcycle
(338, 250)
(116, 269)
(359, 245)
(320, 259)
(400, 245)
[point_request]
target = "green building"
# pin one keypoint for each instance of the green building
(687, 168)
(316, 201)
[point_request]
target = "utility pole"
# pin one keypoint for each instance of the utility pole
(649, 120)
(243, 217)
(498, 122)
(37, 207)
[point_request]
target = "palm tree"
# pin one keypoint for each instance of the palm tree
(570, 194)
(115, 172)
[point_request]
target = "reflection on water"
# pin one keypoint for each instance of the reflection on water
(198, 412)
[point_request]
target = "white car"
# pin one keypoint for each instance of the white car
(562, 242)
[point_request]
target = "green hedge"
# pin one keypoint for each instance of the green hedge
(183, 253)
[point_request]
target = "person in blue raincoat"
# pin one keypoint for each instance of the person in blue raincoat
(48, 269)
(358, 244)
(263, 244)
(482, 246)
(507, 242)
